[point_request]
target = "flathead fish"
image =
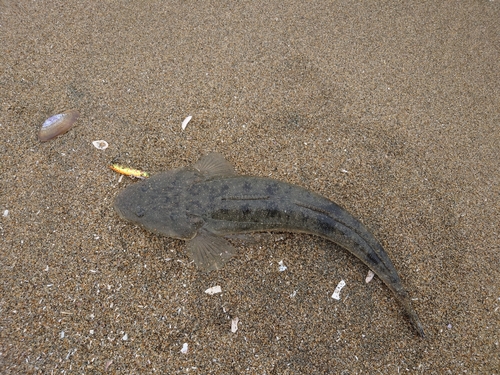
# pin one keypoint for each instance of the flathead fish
(204, 202)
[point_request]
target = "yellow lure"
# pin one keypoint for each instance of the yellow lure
(129, 171)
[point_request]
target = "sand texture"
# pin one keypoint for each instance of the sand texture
(389, 108)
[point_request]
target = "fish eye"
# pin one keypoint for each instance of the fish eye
(139, 211)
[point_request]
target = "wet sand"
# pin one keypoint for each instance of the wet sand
(391, 110)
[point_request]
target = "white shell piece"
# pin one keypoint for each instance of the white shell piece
(186, 122)
(100, 145)
(184, 349)
(234, 324)
(282, 267)
(214, 290)
(6, 213)
(336, 292)
(369, 277)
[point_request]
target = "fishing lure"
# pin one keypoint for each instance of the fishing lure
(135, 173)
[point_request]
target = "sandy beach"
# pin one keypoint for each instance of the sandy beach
(390, 109)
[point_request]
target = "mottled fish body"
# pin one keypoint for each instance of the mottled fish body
(204, 202)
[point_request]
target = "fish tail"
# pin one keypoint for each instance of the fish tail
(404, 299)
(340, 227)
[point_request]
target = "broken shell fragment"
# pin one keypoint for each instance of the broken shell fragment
(186, 122)
(57, 125)
(100, 145)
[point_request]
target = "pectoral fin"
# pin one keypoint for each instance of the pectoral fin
(208, 251)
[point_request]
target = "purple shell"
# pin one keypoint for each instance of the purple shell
(57, 125)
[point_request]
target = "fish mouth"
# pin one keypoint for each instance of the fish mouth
(118, 211)
(120, 208)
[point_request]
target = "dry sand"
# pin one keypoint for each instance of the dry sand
(391, 109)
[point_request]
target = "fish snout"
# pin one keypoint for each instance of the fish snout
(118, 209)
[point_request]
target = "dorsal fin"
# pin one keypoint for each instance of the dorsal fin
(214, 165)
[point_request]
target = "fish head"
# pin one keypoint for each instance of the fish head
(158, 204)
